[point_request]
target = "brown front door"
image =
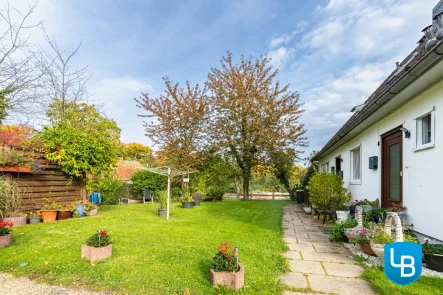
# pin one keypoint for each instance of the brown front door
(392, 171)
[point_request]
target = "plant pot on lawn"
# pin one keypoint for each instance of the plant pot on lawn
(161, 212)
(64, 214)
(91, 209)
(226, 270)
(49, 215)
(433, 256)
(17, 221)
(198, 196)
(98, 247)
(187, 204)
(81, 209)
(5, 234)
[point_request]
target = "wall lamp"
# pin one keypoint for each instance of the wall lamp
(406, 131)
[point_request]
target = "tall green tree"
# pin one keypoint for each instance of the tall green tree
(81, 139)
(251, 113)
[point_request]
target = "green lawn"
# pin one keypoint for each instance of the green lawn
(423, 286)
(151, 255)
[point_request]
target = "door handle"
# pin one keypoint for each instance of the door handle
(401, 173)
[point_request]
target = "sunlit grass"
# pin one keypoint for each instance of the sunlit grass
(151, 255)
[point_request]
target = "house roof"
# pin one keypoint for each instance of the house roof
(125, 169)
(371, 105)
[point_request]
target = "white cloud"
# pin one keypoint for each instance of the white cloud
(117, 94)
(286, 38)
(280, 56)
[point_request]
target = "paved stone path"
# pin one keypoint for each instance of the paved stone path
(316, 264)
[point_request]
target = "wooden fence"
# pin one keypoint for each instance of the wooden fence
(50, 182)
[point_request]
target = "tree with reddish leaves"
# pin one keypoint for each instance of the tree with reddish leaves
(177, 122)
(252, 115)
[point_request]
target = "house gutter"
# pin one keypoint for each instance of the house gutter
(428, 61)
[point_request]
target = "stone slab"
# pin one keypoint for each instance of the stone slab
(324, 248)
(290, 240)
(297, 235)
(328, 257)
(300, 293)
(343, 270)
(292, 254)
(340, 286)
(313, 241)
(301, 247)
(303, 266)
(294, 280)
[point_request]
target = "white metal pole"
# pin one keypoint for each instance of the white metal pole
(169, 192)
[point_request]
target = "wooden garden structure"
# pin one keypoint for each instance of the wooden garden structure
(45, 181)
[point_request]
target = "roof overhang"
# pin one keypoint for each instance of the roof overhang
(426, 73)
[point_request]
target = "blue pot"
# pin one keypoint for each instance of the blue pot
(81, 209)
(352, 211)
(376, 219)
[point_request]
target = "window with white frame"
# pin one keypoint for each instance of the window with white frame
(356, 165)
(325, 167)
(425, 131)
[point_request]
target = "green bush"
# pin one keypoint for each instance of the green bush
(110, 189)
(432, 248)
(161, 197)
(214, 193)
(337, 233)
(99, 239)
(325, 186)
(145, 179)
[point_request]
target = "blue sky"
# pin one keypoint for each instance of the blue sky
(334, 52)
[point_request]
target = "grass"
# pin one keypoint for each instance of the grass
(151, 255)
(381, 284)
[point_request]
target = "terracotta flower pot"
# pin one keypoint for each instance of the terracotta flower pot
(232, 280)
(16, 221)
(96, 254)
(62, 215)
(366, 248)
(49, 215)
(92, 212)
(5, 240)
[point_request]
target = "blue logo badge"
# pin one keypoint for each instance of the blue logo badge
(403, 262)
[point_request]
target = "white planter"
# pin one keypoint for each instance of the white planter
(342, 215)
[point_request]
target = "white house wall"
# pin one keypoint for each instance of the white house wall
(422, 170)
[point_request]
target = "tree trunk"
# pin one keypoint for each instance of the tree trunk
(237, 186)
(246, 178)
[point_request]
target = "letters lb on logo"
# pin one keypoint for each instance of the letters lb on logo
(403, 262)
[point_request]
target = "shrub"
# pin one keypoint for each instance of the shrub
(432, 248)
(110, 189)
(176, 194)
(337, 233)
(10, 198)
(99, 239)
(360, 238)
(215, 193)
(224, 261)
(325, 186)
(145, 179)
(162, 199)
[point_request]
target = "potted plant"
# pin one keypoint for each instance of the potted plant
(80, 206)
(342, 212)
(376, 215)
(198, 197)
(378, 238)
(187, 201)
(361, 239)
(65, 212)
(226, 270)
(49, 213)
(98, 247)
(5, 233)
(397, 208)
(433, 256)
(34, 217)
(162, 202)
(11, 196)
(91, 209)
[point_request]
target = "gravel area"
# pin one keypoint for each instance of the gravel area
(24, 286)
(372, 261)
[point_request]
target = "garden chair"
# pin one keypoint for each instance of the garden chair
(329, 210)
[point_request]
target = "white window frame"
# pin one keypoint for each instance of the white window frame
(325, 167)
(356, 181)
(418, 132)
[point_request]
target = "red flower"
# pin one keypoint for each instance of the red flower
(226, 245)
(103, 233)
(220, 247)
(223, 252)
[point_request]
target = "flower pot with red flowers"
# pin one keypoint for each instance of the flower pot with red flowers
(5, 234)
(98, 247)
(226, 270)
(90, 209)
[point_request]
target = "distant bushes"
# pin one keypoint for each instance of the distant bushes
(110, 189)
(145, 179)
(215, 193)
